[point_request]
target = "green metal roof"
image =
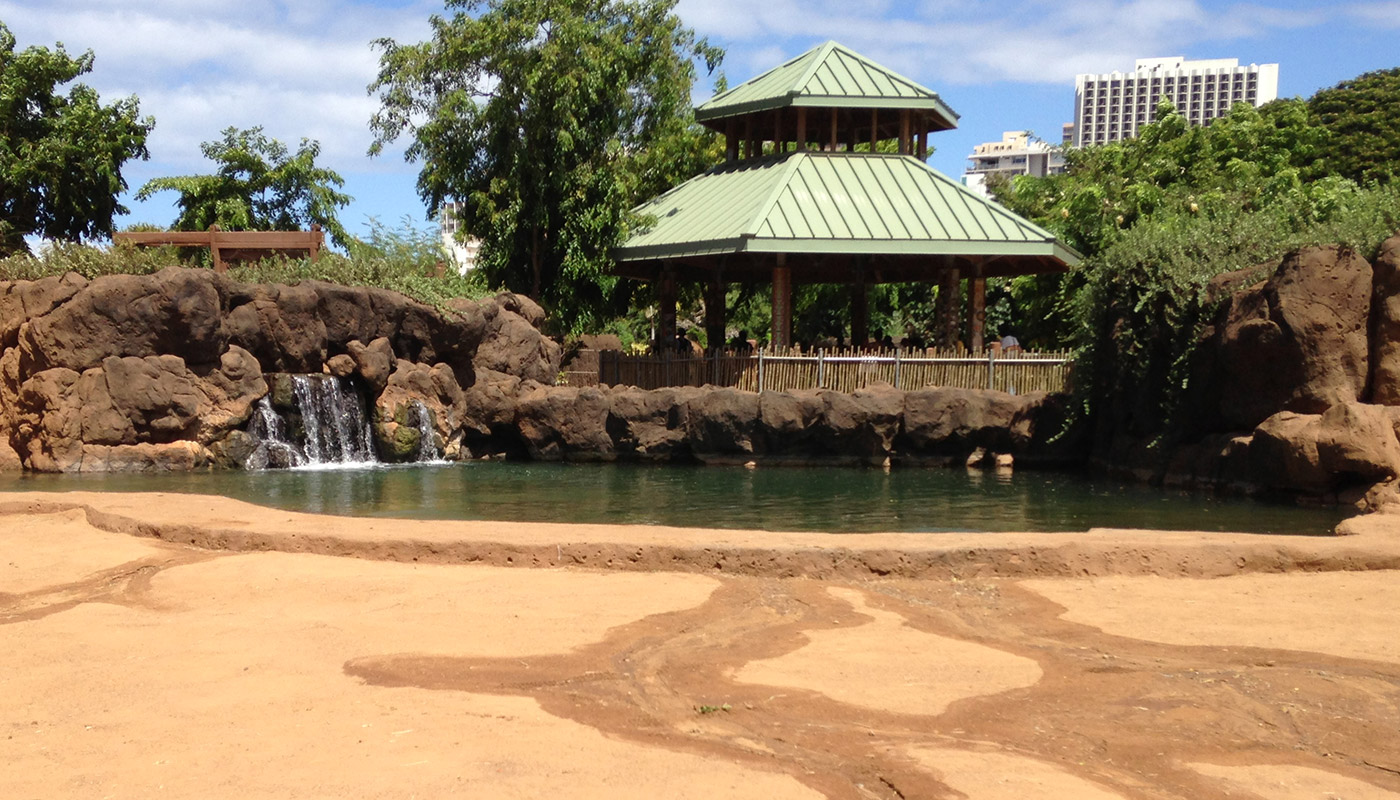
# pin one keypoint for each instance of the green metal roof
(833, 203)
(828, 76)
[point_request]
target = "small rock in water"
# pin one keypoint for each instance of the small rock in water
(1005, 461)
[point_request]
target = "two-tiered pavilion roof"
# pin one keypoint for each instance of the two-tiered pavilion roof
(806, 196)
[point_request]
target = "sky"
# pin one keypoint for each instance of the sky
(300, 69)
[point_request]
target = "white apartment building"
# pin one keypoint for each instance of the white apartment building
(462, 254)
(1015, 154)
(1114, 105)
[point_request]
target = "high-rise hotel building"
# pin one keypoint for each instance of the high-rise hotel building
(1113, 106)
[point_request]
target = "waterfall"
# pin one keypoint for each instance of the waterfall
(327, 424)
(270, 432)
(422, 419)
(334, 420)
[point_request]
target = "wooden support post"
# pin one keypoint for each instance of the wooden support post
(923, 145)
(748, 137)
(666, 311)
(218, 257)
(781, 334)
(978, 311)
(949, 308)
(874, 128)
(835, 117)
(801, 128)
(715, 292)
(317, 240)
(860, 311)
(904, 133)
(779, 146)
(731, 141)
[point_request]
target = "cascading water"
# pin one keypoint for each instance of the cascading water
(270, 432)
(334, 420)
(322, 421)
(422, 419)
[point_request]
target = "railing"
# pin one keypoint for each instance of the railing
(841, 370)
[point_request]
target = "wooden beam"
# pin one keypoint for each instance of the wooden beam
(835, 116)
(860, 312)
(748, 137)
(874, 128)
(666, 313)
(801, 128)
(904, 132)
(978, 311)
(778, 146)
(781, 334)
(731, 141)
(715, 291)
(923, 145)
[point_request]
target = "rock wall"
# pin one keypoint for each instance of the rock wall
(872, 426)
(134, 372)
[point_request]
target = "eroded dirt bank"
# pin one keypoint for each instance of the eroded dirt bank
(1102, 665)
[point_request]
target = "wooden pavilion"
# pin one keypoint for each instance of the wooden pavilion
(796, 203)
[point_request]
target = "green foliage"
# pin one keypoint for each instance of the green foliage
(1157, 218)
(61, 156)
(1144, 302)
(404, 259)
(1363, 116)
(548, 121)
(1246, 159)
(260, 185)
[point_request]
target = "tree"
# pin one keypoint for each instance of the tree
(1363, 115)
(61, 156)
(259, 185)
(548, 120)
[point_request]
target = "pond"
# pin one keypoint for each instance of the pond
(831, 499)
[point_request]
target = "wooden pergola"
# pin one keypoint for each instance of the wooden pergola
(797, 203)
(226, 246)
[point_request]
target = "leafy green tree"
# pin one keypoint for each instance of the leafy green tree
(260, 185)
(1363, 116)
(61, 156)
(548, 120)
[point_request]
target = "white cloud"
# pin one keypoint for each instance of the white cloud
(1386, 15)
(299, 69)
(975, 42)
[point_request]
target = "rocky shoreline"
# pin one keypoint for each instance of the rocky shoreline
(1294, 387)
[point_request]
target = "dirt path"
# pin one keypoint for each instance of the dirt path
(131, 667)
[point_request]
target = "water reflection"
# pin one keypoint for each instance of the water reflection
(813, 499)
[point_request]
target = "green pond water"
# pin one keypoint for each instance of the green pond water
(835, 499)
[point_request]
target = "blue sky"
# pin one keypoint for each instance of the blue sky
(299, 69)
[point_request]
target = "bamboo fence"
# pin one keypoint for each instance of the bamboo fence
(843, 370)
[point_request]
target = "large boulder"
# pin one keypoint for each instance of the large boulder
(721, 422)
(21, 301)
(649, 425)
(565, 423)
(1283, 453)
(1385, 333)
(513, 345)
(1298, 342)
(861, 425)
(173, 312)
(1356, 442)
(125, 401)
(955, 422)
(411, 391)
(280, 325)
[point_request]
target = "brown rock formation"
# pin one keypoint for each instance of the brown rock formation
(1298, 342)
(1385, 330)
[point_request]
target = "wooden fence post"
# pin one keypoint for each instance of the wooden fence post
(821, 368)
(760, 370)
(991, 368)
(896, 367)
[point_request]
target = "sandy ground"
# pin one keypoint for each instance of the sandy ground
(177, 646)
